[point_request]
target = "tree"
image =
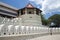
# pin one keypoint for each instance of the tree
(55, 18)
(44, 21)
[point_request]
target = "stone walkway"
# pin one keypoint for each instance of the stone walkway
(32, 37)
(49, 37)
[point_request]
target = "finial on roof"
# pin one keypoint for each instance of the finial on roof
(29, 5)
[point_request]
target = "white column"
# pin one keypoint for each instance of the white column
(9, 27)
(27, 29)
(34, 29)
(16, 28)
(39, 13)
(22, 29)
(25, 10)
(1, 26)
(31, 29)
(34, 11)
(19, 12)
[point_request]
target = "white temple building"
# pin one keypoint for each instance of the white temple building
(23, 21)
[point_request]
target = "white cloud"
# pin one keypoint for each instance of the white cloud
(48, 5)
(51, 5)
(37, 1)
(31, 0)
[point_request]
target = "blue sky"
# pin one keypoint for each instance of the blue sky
(16, 3)
(49, 7)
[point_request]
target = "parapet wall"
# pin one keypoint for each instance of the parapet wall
(15, 27)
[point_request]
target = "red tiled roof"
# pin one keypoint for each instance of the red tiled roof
(29, 6)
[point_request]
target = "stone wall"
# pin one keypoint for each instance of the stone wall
(15, 27)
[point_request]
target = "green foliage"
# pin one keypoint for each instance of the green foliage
(44, 21)
(55, 18)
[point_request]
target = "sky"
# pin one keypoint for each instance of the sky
(48, 7)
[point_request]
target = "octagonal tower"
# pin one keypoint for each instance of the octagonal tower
(30, 16)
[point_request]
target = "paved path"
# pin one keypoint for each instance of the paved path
(49, 37)
(33, 37)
